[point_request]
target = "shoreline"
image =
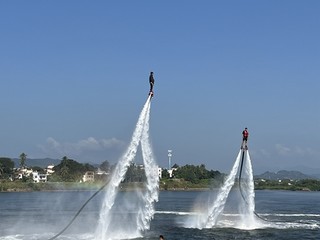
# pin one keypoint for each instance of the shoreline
(18, 186)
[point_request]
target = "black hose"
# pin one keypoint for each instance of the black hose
(80, 210)
(242, 160)
(77, 214)
(243, 197)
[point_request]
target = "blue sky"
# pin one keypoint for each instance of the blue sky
(74, 78)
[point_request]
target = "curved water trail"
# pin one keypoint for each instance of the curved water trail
(246, 219)
(207, 217)
(219, 203)
(119, 174)
(247, 206)
(151, 194)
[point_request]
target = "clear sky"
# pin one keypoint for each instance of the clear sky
(74, 78)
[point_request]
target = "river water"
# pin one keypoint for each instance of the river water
(41, 215)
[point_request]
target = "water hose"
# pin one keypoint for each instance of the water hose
(79, 211)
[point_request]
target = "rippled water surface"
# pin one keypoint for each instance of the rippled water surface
(41, 215)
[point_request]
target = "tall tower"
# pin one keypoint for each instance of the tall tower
(169, 158)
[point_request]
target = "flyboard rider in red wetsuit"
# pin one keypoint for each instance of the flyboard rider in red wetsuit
(245, 135)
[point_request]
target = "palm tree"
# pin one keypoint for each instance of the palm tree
(23, 158)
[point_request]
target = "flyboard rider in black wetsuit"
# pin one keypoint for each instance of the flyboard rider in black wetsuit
(151, 81)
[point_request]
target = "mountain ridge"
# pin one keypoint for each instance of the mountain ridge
(284, 174)
(37, 162)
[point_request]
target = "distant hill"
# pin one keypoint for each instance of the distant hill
(283, 174)
(311, 171)
(316, 176)
(41, 162)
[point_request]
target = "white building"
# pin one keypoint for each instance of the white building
(88, 177)
(24, 172)
(39, 177)
(160, 172)
(49, 169)
(101, 172)
(171, 172)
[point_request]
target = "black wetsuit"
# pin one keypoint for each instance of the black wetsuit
(151, 81)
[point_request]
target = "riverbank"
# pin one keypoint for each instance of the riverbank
(32, 187)
(17, 186)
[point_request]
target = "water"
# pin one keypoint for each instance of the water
(110, 225)
(222, 214)
(208, 214)
(151, 195)
(247, 205)
(40, 215)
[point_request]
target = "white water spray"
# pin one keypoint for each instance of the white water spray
(208, 217)
(151, 195)
(219, 204)
(146, 212)
(247, 207)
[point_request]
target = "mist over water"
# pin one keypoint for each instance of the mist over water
(247, 204)
(243, 216)
(119, 217)
(207, 217)
(35, 216)
(151, 194)
(137, 217)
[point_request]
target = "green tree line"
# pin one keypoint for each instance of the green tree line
(70, 170)
(195, 174)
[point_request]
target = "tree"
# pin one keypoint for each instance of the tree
(88, 167)
(70, 170)
(38, 169)
(6, 166)
(196, 173)
(175, 166)
(23, 158)
(1, 169)
(105, 166)
(188, 173)
(135, 174)
(165, 174)
(216, 175)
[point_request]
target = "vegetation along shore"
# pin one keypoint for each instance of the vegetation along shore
(71, 175)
